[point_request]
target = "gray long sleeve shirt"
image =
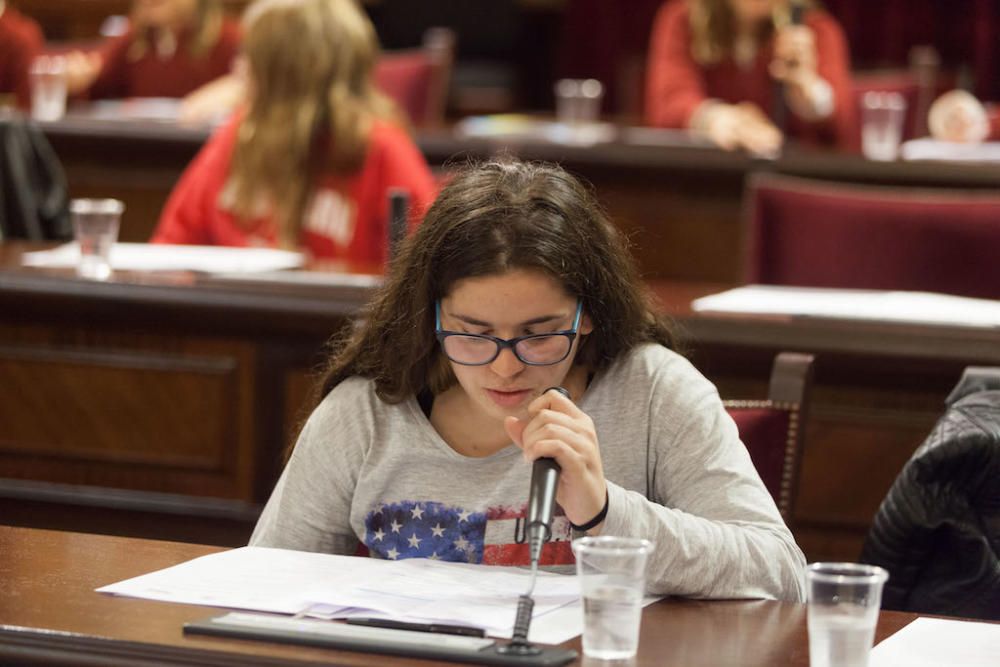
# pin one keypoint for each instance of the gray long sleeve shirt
(367, 472)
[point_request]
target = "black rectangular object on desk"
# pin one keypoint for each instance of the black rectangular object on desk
(314, 632)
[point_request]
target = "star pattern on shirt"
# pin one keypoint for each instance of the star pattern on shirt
(424, 529)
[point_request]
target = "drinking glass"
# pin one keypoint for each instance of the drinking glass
(882, 116)
(95, 228)
(47, 77)
(844, 600)
(612, 574)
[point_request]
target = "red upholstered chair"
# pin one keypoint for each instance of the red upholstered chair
(418, 79)
(823, 234)
(772, 429)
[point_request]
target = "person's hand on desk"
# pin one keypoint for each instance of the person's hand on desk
(558, 429)
(740, 126)
(795, 65)
(82, 70)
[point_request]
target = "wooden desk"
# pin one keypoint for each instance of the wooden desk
(679, 200)
(162, 395)
(158, 405)
(50, 615)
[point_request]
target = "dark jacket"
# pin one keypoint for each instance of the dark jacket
(938, 529)
(34, 199)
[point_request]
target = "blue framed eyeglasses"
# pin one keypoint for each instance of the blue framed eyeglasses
(480, 349)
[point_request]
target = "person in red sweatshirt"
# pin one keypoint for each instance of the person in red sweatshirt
(171, 48)
(741, 74)
(20, 41)
(310, 162)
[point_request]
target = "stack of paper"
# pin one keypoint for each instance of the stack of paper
(277, 580)
(874, 305)
(157, 257)
(934, 149)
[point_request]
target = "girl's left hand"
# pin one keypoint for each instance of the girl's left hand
(557, 428)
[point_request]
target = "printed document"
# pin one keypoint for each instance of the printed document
(291, 582)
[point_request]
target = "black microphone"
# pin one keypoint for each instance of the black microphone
(542, 500)
(779, 112)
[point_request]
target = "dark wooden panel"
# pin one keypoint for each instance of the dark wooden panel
(142, 411)
(87, 406)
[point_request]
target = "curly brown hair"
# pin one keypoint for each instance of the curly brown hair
(491, 218)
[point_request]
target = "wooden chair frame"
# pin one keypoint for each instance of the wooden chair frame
(788, 391)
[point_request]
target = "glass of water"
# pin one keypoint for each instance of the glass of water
(882, 118)
(95, 228)
(48, 88)
(612, 574)
(844, 599)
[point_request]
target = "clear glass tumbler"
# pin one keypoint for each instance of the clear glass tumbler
(612, 574)
(95, 228)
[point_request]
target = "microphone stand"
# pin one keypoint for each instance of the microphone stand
(538, 529)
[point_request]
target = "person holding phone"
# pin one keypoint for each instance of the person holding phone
(746, 74)
(435, 406)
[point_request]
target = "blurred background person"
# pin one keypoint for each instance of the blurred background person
(743, 75)
(958, 116)
(171, 48)
(21, 41)
(310, 162)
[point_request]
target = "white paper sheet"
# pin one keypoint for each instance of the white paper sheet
(934, 149)
(935, 642)
(161, 257)
(874, 305)
(283, 581)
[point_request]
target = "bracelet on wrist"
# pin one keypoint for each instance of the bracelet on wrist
(583, 528)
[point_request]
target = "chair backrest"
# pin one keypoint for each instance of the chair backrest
(823, 234)
(418, 79)
(772, 429)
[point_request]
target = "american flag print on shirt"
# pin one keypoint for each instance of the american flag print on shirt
(421, 529)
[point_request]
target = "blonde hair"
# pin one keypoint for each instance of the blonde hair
(206, 28)
(713, 28)
(311, 105)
